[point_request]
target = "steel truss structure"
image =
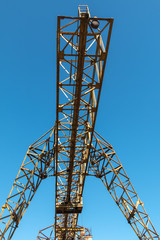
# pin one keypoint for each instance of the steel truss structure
(37, 165)
(72, 150)
(81, 58)
(104, 164)
(80, 233)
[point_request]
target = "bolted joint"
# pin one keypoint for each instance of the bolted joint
(43, 175)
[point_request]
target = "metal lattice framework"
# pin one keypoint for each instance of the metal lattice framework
(72, 150)
(80, 233)
(81, 58)
(37, 165)
(104, 164)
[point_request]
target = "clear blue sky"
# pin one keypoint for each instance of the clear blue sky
(128, 116)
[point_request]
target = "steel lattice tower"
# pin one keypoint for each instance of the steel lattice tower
(72, 149)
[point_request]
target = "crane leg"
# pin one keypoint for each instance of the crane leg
(105, 165)
(37, 165)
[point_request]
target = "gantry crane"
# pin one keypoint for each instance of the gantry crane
(72, 149)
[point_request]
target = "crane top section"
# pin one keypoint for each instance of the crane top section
(83, 10)
(82, 48)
